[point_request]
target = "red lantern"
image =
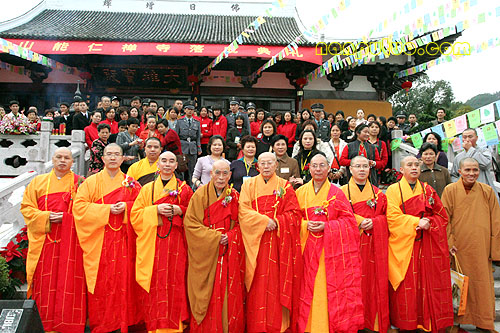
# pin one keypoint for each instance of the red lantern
(406, 86)
(192, 79)
(301, 82)
(85, 76)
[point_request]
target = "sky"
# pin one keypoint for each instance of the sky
(469, 76)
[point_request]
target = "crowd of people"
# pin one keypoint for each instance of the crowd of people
(258, 222)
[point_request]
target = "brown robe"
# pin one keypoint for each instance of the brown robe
(474, 229)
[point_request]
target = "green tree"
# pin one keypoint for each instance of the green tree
(423, 99)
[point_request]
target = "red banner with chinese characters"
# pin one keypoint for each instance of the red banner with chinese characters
(48, 47)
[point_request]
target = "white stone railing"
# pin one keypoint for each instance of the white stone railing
(38, 162)
(406, 150)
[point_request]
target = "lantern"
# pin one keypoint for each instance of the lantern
(301, 82)
(406, 86)
(192, 79)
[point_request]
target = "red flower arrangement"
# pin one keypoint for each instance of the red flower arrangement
(15, 254)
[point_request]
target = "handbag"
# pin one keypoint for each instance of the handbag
(182, 163)
(459, 289)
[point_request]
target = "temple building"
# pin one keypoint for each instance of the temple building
(158, 49)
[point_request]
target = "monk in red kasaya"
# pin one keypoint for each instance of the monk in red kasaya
(216, 271)
(54, 265)
(161, 263)
(269, 220)
(369, 205)
(419, 264)
(102, 218)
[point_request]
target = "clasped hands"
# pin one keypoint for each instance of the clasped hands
(424, 224)
(118, 208)
(168, 210)
(366, 224)
(315, 226)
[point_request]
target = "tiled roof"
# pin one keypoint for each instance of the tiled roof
(152, 27)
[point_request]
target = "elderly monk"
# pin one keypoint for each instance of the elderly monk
(369, 205)
(216, 269)
(474, 236)
(419, 266)
(330, 298)
(101, 210)
(161, 259)
(269, 215)
(54, 265)
(145, 170)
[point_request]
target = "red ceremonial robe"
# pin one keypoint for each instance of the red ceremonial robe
(274, 262)
(216, 295)
(423, 299)
(55, 265)
(340, 243)
(374, 246)
(108, 243)
(161, 262)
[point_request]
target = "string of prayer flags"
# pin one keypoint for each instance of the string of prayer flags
(450, 128)
(244, 36)
(16, 69)
(490, 134)
(456, 145)
(395, 144)
(481, 141)
(487, 114)
(438, 129)
(474, 118)
(21, 52)
(417, 140)
(461, 123)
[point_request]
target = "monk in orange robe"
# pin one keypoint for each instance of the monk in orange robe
(54, 265)
(216, 270)
(369, 205)
(330, 297)
(419, 262)
(101, 210)
(474, 237)
(269, 220)
(161, 260)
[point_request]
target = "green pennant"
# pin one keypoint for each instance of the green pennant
(395, 144)
(416, 139)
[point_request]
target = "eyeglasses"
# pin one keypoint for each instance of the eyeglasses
(361, 166)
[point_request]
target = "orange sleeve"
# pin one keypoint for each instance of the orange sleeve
(90, 221)
(144, 219)
(38, 225)
(252, 225)
(402, 234)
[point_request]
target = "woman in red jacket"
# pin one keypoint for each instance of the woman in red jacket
(288, 129)
(380, 145)
(150, 130)
(206, 129)
(219, 124)
(255, 126)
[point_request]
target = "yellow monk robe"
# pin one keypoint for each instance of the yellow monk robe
(419, 266)
(474, 229)
(216, 272)
(161, 261)
(108, 244)
(330, 298)
(54, 265)
(372, 203)
(273, 259)
(143, 171)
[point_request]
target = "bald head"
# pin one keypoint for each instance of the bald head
(220, 174)
(220, 165)
(359, 160)
(319, 158)
(63, 150)
(267, 155)
(62, 160)
(408, 159)
(468, 160)
(168, 154)
(267, 165)
(112, 145)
